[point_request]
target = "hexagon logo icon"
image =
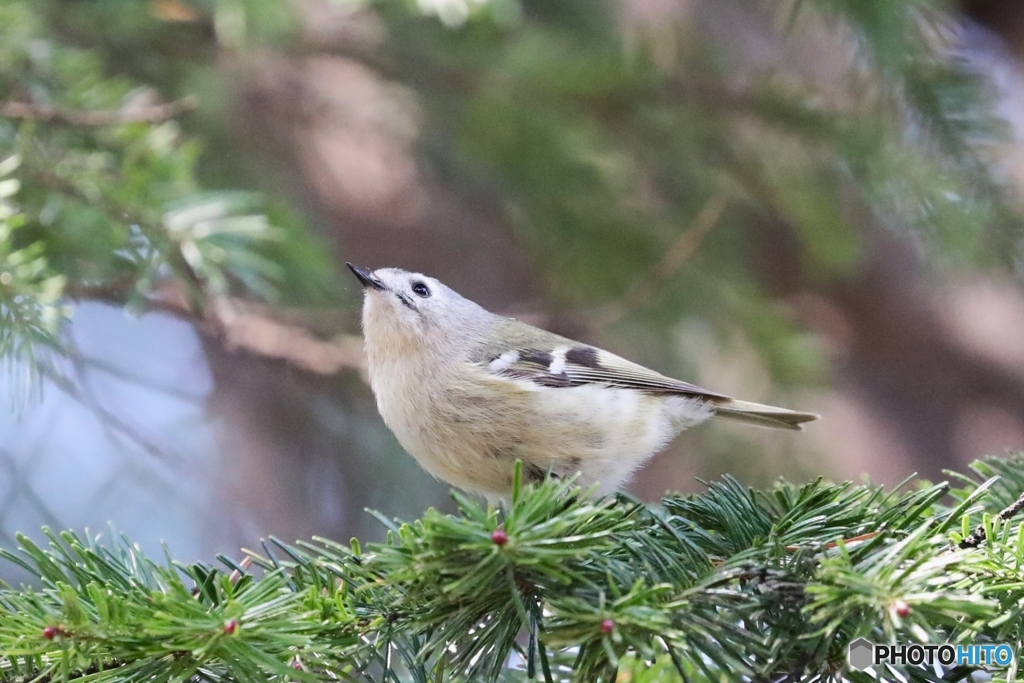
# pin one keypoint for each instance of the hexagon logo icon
(861, 654)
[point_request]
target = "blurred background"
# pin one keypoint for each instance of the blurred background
(811, 203)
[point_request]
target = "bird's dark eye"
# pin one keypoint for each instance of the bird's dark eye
(420, 289)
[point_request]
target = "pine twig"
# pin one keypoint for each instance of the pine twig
(681, 251)
(832, 544)
(156, 113)
(977, 536)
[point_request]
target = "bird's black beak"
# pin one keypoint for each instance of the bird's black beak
(366, 277)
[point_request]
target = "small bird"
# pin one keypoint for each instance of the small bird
(468, 392)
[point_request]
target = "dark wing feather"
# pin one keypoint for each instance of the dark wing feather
(581, 365)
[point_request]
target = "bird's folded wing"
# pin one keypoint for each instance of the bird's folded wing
(579, 365)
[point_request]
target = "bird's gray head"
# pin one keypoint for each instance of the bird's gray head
(406, 308)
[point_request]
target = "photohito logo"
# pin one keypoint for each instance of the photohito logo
(864, 654)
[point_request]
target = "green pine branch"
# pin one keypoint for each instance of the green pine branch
(767, 585)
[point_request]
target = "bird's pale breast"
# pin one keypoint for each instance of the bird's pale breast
(473, 433)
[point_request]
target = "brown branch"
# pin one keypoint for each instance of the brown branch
(834, 544)
(978, 535)
(156, 113)
(242, 325)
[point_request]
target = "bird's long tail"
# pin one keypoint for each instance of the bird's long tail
(762, 415)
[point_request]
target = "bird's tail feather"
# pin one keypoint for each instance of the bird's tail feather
(762, 415)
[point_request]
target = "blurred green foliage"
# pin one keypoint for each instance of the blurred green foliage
(646, 169)
(603, 154)
(111, 205)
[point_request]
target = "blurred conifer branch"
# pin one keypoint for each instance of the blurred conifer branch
(240, 324)
(101, 202)
(728, 583)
